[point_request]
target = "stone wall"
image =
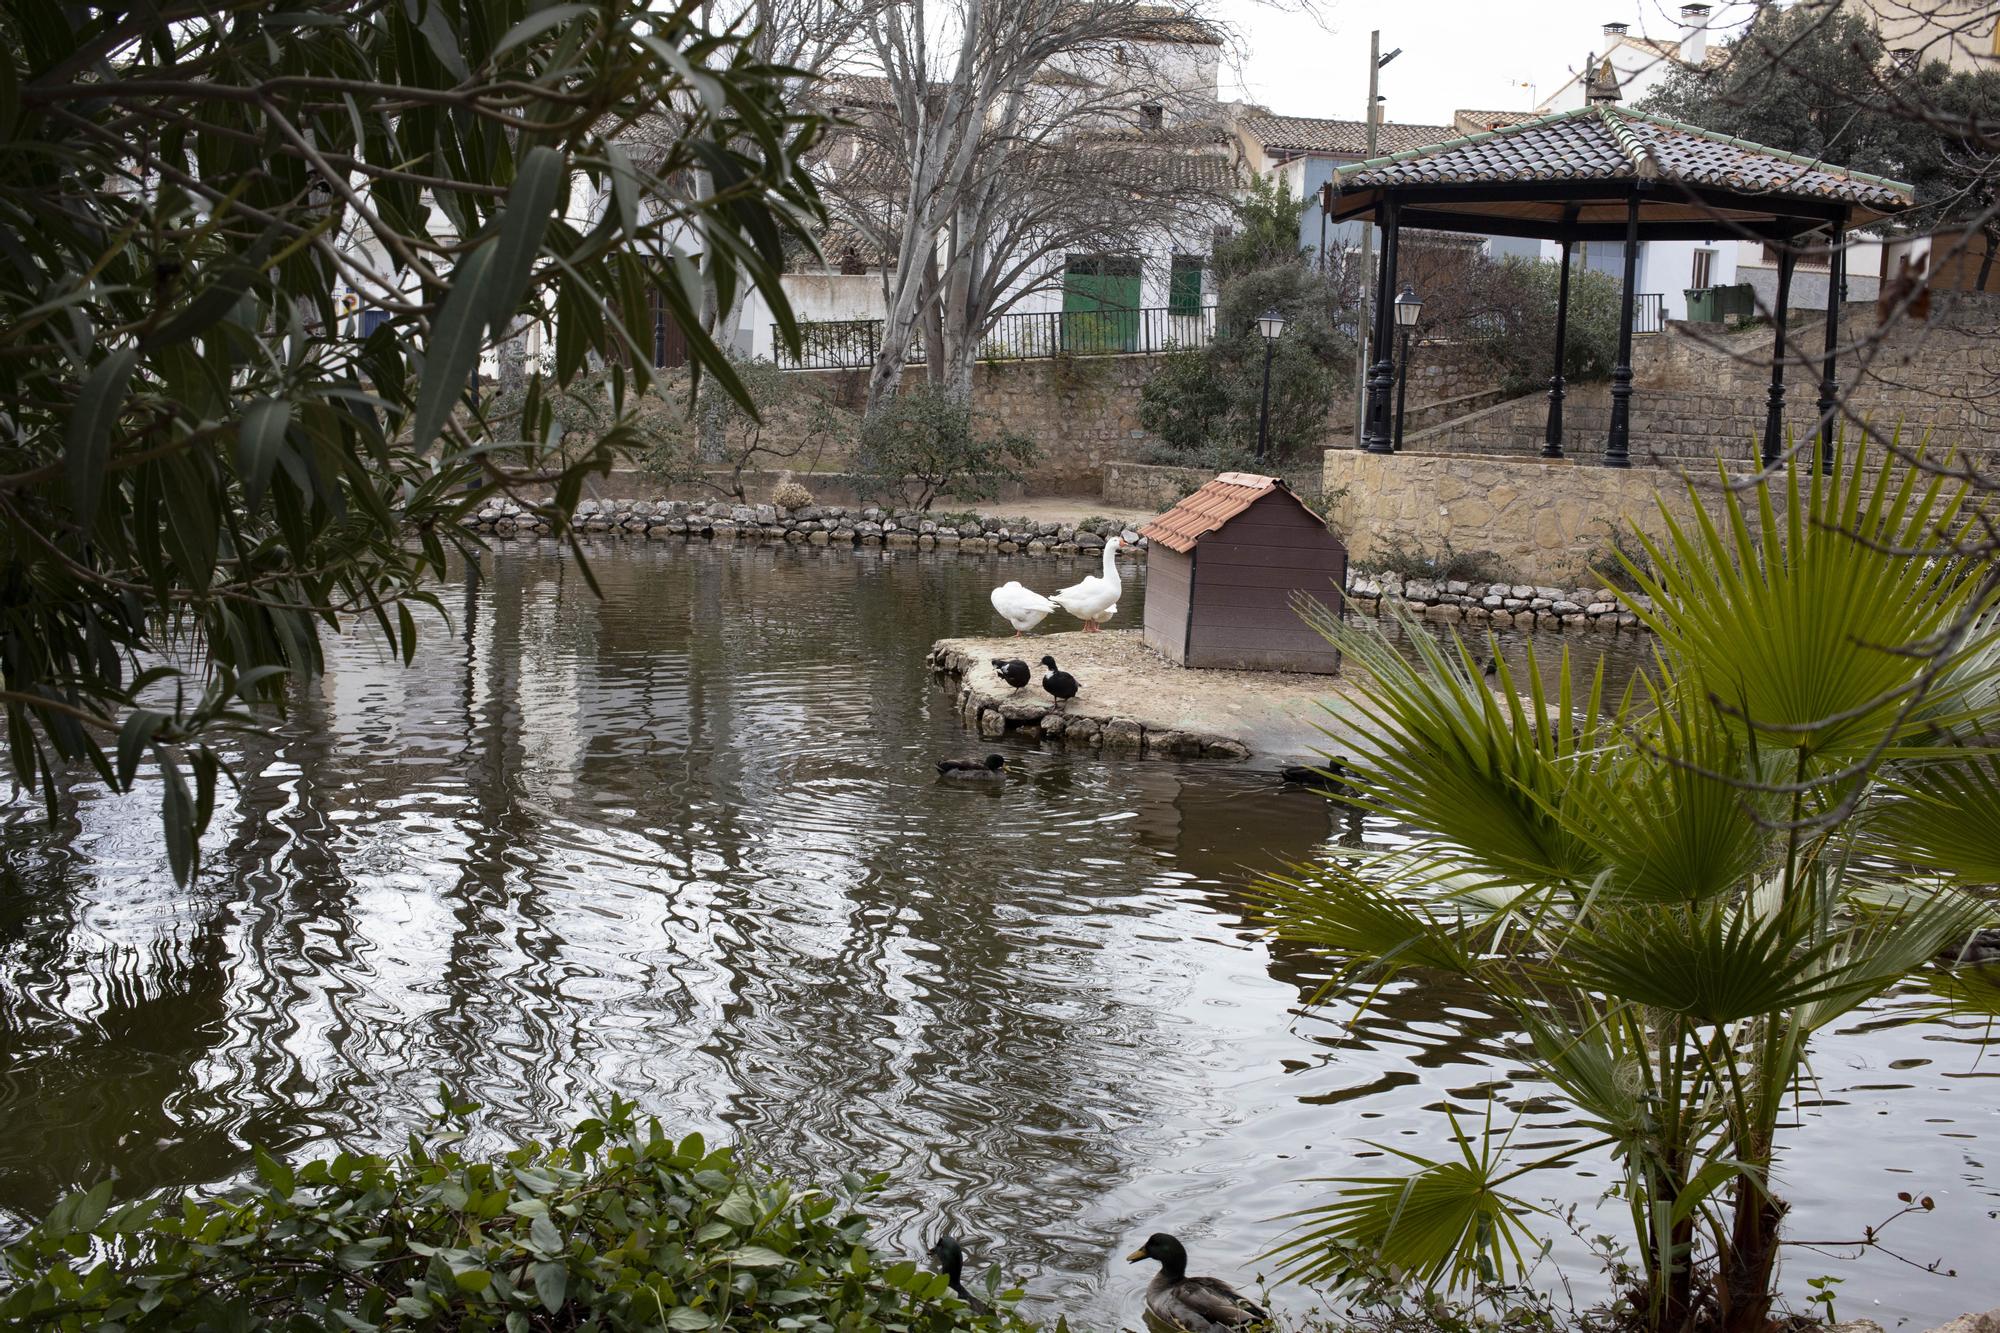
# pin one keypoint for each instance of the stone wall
(1544, 521)
(1149, 486)
(1082, 412)
(1700, 392)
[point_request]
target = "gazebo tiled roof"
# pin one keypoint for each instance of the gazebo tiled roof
(1614, 147)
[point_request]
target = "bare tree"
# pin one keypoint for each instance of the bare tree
(996, 136)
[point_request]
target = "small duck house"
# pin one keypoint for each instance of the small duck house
(1223, 568)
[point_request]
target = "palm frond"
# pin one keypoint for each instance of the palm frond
(1448, 1222)
(1810, 626)
(1945, 816)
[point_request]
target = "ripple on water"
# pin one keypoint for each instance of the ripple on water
(683, 844)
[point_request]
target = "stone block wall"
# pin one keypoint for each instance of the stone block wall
(1700, 393)
(1545, 521)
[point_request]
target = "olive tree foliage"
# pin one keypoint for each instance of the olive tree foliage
(202, 466)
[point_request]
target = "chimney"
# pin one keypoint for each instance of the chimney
(1601, 88)
(1694, 34)
(1614, 31)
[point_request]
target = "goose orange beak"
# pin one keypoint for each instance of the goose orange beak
(1136, 1255)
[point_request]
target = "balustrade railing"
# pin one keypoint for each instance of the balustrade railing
(846, 344)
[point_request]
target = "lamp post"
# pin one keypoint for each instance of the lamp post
(1408, 307)
(1271, 324)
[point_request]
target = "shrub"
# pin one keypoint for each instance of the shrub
(790, 495)
(921, 445)
(1441, 565)
(620, 1227)
(1522, 312)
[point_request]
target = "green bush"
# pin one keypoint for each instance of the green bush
(1521, 309)
(1443, 564)
(921, 445)
(621, 1227)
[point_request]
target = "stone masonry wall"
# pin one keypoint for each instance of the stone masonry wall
(1700, 394)
(1082, 412)
(1546, 521)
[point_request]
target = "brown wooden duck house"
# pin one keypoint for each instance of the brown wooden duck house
(1223, 568)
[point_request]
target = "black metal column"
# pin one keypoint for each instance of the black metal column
(1829, 386)
(1618, 447)
(1552, 438)
(1774, 411)
(1375, 435)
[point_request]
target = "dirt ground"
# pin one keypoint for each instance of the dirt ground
(1281, 718)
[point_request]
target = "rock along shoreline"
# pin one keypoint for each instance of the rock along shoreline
(1500, 605)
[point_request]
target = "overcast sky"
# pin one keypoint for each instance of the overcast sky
(1477, 54)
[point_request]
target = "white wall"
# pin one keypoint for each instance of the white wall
(1667, 267)
(814, 296)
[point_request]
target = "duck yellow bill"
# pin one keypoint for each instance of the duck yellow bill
(1136, 1255)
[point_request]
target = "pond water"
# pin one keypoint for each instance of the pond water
(683, 844)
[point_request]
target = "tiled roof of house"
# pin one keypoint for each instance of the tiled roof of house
(1208, 509)
(1345, 138)
(1615, 143)
(1471, 122)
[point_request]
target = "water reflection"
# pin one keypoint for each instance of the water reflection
(683, 844)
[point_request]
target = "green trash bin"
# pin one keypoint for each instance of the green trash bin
(1738, 301)
(1701, 305)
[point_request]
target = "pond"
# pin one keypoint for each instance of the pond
(683, 844)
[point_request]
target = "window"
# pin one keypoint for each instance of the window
(1151, 115)
(1704, 269)
(1184, 286)
(372, 320)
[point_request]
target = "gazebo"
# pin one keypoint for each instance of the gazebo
(1603, 172)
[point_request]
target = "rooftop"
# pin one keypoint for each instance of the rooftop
(1607, 144)
(1341, 138)
(1208, 509)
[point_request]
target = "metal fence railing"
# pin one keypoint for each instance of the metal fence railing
(1649, 312)
(851, 343)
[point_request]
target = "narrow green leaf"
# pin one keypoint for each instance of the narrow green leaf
(453, 351)
(258, 437)
(530, 205)
(91, 422)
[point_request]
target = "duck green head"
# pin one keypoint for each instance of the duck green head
(1170, 1252)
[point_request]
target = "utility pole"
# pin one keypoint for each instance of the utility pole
(1366, 284)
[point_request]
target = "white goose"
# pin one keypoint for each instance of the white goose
(1023, 608)
(1095, 600)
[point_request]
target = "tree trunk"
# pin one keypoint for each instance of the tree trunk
(1745, 1283)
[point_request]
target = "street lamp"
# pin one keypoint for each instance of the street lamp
(1271, 324)
(1408, 307)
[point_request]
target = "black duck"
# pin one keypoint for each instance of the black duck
(1062, 686)
(1013, 670)
(949, 1258)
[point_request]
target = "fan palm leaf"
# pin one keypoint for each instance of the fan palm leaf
(1809, 627)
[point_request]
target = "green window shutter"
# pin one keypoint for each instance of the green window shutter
(1184, 286)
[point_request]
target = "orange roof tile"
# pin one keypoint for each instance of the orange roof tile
(1208, 509)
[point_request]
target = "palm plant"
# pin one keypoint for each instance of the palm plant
(1672, 891)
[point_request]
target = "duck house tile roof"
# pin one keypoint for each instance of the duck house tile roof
(1208, 509)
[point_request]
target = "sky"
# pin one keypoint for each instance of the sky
(1478, 54)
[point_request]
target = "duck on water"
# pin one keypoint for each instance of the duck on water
(1197, 1304)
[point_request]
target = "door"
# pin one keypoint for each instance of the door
(1101, 304)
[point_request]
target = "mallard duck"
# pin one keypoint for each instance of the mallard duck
(990, 769)
(1023, 608)
(1013, 670)
(1197, 1304)
(1061, 686)
(1094, 600)
(949, 1259)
